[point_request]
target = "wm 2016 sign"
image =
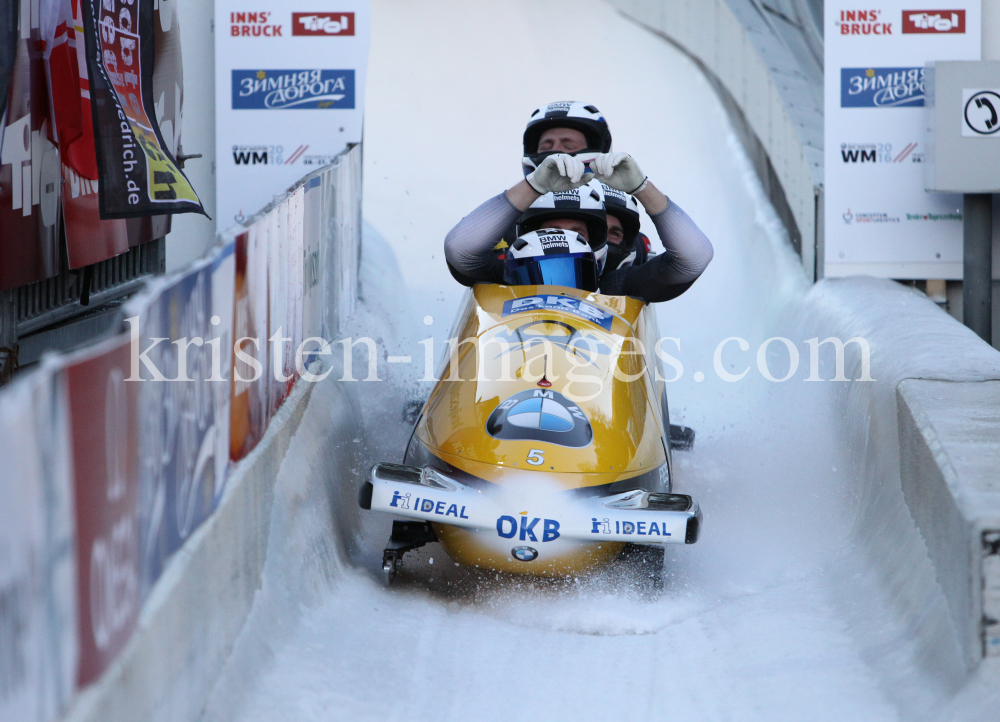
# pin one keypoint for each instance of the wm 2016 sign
(298, 89)
(877, 214)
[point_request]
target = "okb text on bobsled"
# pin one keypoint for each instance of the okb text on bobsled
(198, 359)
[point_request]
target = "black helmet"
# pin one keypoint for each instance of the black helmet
(565, 114)
(625, 208)
(585, 203)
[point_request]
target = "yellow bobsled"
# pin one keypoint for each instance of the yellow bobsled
(544, 449)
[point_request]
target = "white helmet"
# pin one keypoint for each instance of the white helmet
(585, 203)
(564, 114)
(551, 257)
(625, 208)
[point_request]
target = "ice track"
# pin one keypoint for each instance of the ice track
(774, 615)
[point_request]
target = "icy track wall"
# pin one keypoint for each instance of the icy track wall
(709, 33)
(945, 442)
(921, 443)
(134, 517)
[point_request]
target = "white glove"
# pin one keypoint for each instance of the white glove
(560, 172)
(620, 171)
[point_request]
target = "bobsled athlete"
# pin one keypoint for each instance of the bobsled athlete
(566, 145)
(626, 244)
(554, 257)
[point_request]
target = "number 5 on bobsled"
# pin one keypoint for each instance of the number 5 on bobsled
(545, 448)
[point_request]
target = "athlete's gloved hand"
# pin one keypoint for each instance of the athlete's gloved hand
(620, 171)
(560, 172)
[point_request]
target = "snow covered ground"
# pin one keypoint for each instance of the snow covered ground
(774, 615)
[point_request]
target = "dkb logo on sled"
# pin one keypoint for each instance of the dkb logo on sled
(293, 89)
(507, 527)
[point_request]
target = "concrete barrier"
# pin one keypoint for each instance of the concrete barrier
(949, 438)
(921, 444)
(932, 397)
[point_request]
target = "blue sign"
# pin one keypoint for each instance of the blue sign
(293, 89)
(184, 424)
(882, 87)
(565, 304)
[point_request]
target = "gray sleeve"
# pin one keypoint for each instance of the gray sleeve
(468, 247)
(687, 252)
(688, 249)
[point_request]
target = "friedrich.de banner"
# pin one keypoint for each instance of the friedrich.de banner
(138, 175)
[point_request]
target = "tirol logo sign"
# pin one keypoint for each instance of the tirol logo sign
(293, 89)
(933, 21)
(881, 87)
(322, 24)
(540, 415)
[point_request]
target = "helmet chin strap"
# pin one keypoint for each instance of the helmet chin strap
(618, 257)
(601, 257)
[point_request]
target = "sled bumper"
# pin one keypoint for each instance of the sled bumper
(639, 517)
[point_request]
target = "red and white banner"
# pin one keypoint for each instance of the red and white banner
(103, 422)
(29, 166)
(249, 410)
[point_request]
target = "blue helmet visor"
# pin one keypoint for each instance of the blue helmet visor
(572, 270)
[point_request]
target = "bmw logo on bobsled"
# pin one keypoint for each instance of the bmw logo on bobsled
(550, 429)
(524, 554)
(540, 415)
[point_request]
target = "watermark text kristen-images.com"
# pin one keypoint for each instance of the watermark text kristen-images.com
(731, 361)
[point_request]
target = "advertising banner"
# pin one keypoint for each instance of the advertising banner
(339, 255)
(879, 220)
(277, 284)
(249, 410)
(223, 294)
(8, 48)
(290, 84)
(67, 67)
(90, 239)
(312, 279)
(103, 414)
(183, 402)
(295, 251)
(37, 584)
(138, 174)
(29, 164)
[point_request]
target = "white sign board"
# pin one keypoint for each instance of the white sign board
(289, 94)
(879, 220)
